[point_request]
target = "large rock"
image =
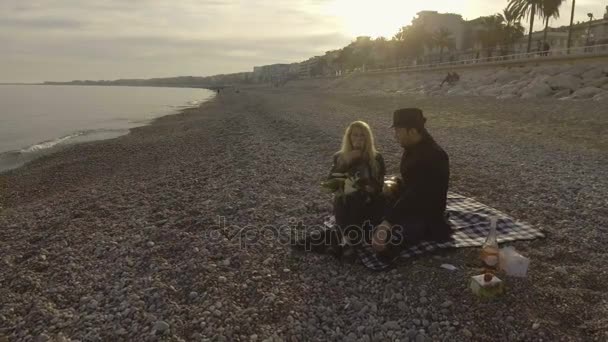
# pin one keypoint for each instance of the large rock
(535, 90)
(578, 69)
(549, 70)
(586, 93)
(509, 89)
(490, 91)
(506, 96)
(506, 76)
(564, 81)
(603, 96)
(479, 89)
(597, 82)
(457, 90)
(594, 73)
(562, 93)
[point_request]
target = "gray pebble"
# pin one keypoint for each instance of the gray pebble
(402, 306)
(411, 334)
(391, 325)
(92, 304)
(161, 326)
(42, 338)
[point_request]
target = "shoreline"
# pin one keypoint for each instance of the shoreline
(17, 158)
(142, 211)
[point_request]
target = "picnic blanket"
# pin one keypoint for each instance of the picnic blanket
(470, 221)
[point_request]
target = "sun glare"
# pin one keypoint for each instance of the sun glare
(385, 17)
(366, 18)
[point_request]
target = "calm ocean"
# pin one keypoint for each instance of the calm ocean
(38, 119)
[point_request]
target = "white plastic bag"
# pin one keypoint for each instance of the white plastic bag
(513, 263)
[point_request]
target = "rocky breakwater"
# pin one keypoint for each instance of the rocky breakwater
(568, 82)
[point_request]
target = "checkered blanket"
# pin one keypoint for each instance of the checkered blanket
(470, 221)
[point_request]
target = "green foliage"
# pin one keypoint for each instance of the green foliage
(442, 38)
(492, 32)
(526, 9)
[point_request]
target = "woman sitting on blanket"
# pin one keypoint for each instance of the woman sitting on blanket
(358, 203)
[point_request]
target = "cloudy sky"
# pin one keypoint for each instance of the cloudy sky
(109, 39)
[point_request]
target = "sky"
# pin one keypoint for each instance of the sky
(62, 40)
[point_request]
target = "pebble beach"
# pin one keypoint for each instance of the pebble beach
(176, 231)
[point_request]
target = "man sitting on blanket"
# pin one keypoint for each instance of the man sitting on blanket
(419, 212)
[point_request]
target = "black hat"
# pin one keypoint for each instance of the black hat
(408, 118)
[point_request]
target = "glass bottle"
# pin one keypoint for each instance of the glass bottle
(489, 249)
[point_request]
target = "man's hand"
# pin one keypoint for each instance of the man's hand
(381, 233)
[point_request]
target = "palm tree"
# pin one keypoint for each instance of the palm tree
(524, 9)
(550, 9)
(411, 40)
(571, 22)
(492, 32)
(513, 31)
(442, 38)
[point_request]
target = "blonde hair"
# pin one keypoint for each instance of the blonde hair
(369, 151)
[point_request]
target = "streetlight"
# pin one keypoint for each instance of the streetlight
(590, 15)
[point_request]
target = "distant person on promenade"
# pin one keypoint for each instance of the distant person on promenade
(546, 48)
(419, 212)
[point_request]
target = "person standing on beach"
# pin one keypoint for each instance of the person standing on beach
(419, 212)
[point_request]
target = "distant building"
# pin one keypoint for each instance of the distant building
(270, 73)
(593, 32)
(557, 39)
(584, 33)
(310, 67)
